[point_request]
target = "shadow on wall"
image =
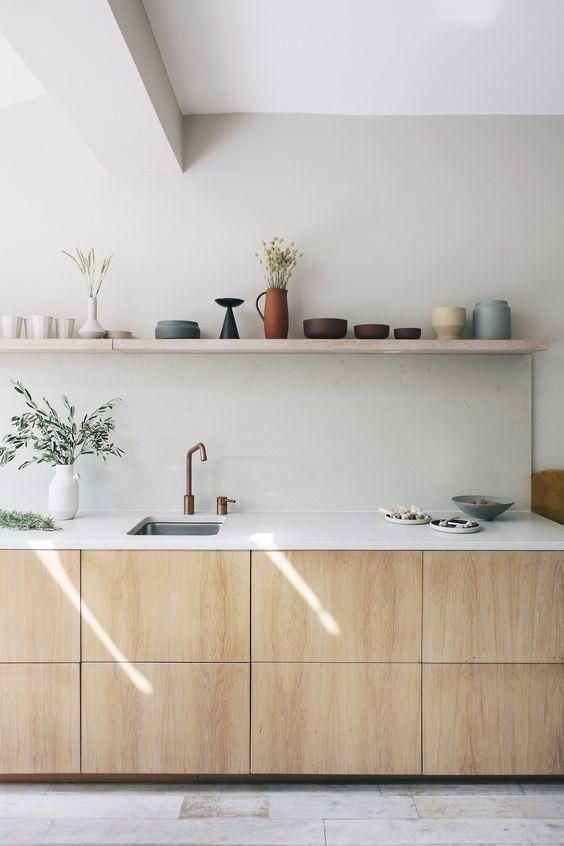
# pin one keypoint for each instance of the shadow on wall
(204, 134)
(477, 14)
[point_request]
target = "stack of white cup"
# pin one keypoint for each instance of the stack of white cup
(37, 326)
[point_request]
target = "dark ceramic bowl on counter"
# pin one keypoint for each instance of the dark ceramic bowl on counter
(407, 334)
(325, 328)
(371, 330)
(483, 506)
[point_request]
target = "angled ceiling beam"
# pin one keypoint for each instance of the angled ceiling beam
(99, 60)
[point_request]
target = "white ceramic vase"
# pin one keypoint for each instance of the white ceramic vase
(92, 329)
(63, 493)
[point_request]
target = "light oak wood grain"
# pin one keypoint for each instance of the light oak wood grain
(493, 719)
(346, 346)
(195, 720)
(547, 494)
(341, 719)
(42, 346)
(38, 621)
(168, 606)
(39, 718)
(493, 606)
(254, 346)
(336, 606)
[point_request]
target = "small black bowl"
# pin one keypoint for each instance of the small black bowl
(407, 334)
(372, 330)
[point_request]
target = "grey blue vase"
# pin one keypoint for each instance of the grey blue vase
(492, 320)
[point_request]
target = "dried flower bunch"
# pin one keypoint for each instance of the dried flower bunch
(56, 439)
(278, 262)
(86, 263)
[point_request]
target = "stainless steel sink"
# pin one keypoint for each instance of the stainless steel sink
(156, 528)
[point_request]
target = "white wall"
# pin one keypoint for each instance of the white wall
(395, 215)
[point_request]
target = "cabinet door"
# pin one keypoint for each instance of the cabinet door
(493, 719)
(39, 718)
(171, 718)
(39, 598)
(336, 606)
(336, 719)
(493, 606)
(168, 606)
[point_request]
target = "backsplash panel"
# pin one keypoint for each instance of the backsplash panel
(290, 433)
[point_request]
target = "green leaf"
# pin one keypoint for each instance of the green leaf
(26, 521)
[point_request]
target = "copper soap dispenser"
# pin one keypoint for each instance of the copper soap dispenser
(222, 502)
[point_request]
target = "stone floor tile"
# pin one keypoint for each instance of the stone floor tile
(226, 832)
(467, 832)
(23, 787)
(221, 804)
(121, 787)
(543, 787)
(416, 788)
(340, 803)
(534, 805)
(133, 806)
(23, 832)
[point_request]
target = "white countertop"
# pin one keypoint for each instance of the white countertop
(286, 530)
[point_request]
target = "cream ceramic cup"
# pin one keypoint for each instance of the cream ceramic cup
(65, 327)
(38, 326)
(448, 322)
(11, 326)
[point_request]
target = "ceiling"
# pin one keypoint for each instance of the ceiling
(373, 57)
(17, 83)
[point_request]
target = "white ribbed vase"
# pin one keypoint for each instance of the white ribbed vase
(63, 493)
(92, 329)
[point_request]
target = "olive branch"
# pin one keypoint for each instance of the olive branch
(57, 439)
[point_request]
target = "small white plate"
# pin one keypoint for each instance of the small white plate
(456, 530)
(420, 521)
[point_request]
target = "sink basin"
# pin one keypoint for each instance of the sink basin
(156, 528)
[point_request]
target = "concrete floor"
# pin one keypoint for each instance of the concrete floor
(410, 813)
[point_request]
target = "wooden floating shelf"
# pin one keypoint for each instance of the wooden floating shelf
(260, 346)
(346, 346)
(70, 346)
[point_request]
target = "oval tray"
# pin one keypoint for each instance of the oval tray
(455, 530)
(421, 521)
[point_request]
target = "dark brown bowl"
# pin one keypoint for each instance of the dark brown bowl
(371, 330)
(325, 327)
(407, 334)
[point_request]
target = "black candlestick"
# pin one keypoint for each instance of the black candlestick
(229, 328)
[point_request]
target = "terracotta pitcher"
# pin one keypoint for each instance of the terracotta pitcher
(275, 315)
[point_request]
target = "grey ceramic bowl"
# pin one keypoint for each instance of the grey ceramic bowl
(177, 329)
(473, 505)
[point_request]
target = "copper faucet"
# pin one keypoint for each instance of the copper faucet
(189, 496)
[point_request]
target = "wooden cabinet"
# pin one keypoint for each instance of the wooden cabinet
(168, 606)
(39, 718)
(336, 606)
(336, 719)
(493, 719)
(493, 606)
(185, 718)
(345, 663)
(493, 678)
(39, 601)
